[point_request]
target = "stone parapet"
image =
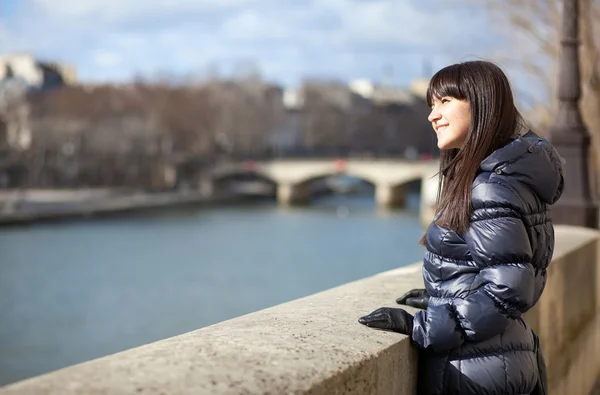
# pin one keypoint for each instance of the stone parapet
(567, 317)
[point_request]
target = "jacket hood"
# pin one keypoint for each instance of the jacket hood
(533, 161)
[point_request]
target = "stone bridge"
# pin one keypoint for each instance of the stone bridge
(293, 177)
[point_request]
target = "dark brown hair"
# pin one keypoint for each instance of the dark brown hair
(494, 119)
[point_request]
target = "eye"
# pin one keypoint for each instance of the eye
(445, 100)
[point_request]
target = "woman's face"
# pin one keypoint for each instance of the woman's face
(450, 119)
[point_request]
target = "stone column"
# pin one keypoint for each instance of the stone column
(389, 195)
(284, 194)
(569, 134)
(206, 187)
(289, 194)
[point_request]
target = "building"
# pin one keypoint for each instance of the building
(21, 73)
(359, 118)
(34, 73)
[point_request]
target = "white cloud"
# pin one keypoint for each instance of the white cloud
(115, 10)
(106, 58)
(247, 24)
(114, 39)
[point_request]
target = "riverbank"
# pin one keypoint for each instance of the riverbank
(31, 206)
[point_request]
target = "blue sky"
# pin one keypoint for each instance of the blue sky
(287, 40)
(7, 8)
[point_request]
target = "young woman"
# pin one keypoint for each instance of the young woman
(489, 245)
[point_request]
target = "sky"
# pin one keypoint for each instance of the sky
(284, 40)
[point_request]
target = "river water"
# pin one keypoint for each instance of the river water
(70, 292)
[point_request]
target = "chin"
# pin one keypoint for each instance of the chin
(442, 145)
(447, 145)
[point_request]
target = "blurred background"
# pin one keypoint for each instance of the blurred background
(132, 134)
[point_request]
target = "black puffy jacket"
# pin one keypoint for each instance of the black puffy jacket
(473, 338)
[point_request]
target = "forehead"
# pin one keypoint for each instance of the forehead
(435, 95)
(436, 98)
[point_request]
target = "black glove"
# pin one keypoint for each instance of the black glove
(418, 298)
(397, 320)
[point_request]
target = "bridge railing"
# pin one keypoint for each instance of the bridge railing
(324, 153)
(314, 345)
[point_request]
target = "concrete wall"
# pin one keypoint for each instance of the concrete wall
(567, 317)
(314, 345)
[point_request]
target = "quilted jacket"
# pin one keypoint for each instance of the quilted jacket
(480, 282)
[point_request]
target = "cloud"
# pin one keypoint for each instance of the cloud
(115, 12)
(287, 39)
(107, 58)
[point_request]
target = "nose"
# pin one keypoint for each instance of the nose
(434, 115)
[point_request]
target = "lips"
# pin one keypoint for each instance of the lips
(441, 128)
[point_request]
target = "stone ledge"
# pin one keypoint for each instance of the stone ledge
(570, 238)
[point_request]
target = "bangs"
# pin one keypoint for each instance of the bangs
(445, 82)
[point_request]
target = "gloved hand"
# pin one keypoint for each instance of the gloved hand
(397, 320)
(418, 298)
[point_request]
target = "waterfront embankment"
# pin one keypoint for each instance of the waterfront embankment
(40, 205)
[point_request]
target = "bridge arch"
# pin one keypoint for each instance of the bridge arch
(319, 176)
(242, 175)
(246, 182)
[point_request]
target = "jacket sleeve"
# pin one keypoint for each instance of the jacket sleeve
(504, 286)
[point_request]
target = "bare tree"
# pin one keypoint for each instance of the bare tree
(246, 112)
(533, 29)
(327, 106)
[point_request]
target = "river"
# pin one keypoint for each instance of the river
(74, 291)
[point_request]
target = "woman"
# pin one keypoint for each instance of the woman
(489, 245)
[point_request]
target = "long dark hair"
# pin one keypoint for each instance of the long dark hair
(494, 119)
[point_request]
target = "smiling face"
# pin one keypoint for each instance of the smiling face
(450, 118)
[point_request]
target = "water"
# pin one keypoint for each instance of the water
(76, 291)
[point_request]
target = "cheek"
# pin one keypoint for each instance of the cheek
(463, 123)
(464, 130)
